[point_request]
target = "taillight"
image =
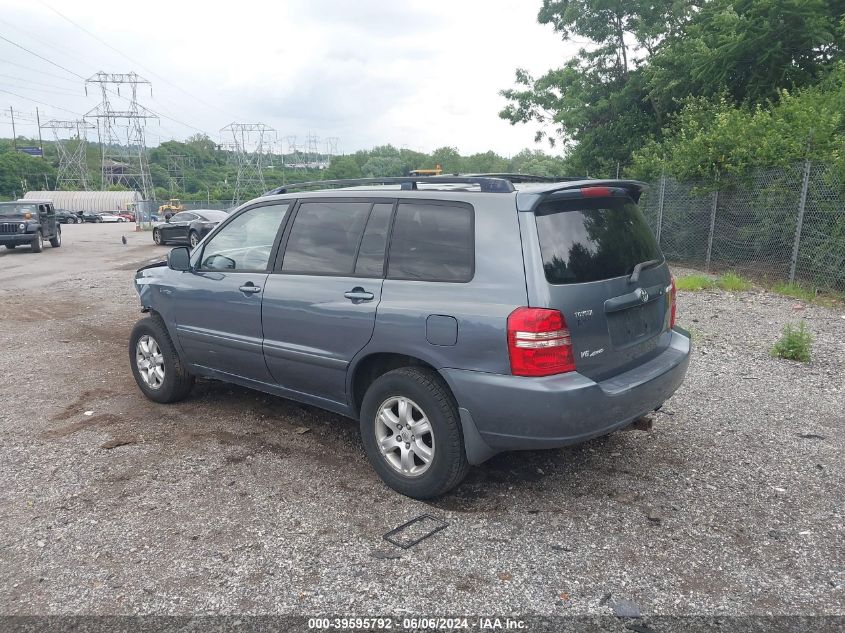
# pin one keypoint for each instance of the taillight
(539, 342)
(674, 304)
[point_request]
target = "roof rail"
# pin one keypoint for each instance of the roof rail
(485, 183)
(526, 178)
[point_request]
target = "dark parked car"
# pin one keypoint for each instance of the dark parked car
(30, 223)
(453, 317)
(67, 217)
(187, 227)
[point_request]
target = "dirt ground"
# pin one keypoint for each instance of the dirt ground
(238, 502)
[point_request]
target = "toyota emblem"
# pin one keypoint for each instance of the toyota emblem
(643, 295)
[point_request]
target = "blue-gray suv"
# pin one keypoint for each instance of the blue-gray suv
(454, 317)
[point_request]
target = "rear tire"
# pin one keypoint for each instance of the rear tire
(38, 243)
(11, 247)
(193, 239)
(176, 383)
(428, 394)
(55, 242)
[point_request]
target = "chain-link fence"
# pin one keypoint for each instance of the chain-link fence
(779, 224)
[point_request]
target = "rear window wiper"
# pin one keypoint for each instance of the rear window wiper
(635, 276)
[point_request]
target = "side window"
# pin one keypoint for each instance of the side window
(325, 237)
(432, 242)
(370, 262)
(246, 242)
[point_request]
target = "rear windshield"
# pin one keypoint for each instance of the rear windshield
(593, 239)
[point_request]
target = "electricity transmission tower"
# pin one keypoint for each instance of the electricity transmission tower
(313, 158)
(121, 132)
(332, 145)
(250, 142)
(176, 164)
(73, 167)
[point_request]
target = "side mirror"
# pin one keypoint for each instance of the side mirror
(179, 258)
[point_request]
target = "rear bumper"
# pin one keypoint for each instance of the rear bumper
(514, 412)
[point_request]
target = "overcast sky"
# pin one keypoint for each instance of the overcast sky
(415, 74)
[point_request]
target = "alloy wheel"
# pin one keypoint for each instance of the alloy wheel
(150, 361)
(404, 436)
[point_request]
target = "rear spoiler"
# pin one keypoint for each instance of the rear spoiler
(528, 199)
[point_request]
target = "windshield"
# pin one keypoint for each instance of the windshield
(593, 239)
(17, 210)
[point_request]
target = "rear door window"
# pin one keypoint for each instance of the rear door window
(593, 239)
(325, 237)
(370, 262)
(432, 242)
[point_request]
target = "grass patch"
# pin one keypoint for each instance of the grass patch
(732, 282)
(795, 290)
(794, 344)
(809, 294)
(694, 283)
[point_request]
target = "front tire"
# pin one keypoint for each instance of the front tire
(11, 247)
(38, 243)
(55, 242)
(156, 366)
(157, 237)
(412, 434)
(194, 239)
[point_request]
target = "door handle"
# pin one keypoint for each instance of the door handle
(249, 288)
(359, 294)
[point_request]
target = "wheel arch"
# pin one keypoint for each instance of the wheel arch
(369, 367)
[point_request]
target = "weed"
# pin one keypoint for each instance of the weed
(732, 282)
(794, 344)
(694, 283)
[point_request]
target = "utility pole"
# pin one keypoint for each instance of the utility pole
(40, 142)
(14, 134)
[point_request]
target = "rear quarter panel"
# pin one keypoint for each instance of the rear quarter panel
(480, 306)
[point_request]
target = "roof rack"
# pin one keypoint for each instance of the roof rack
(489, 184)
(526, 178)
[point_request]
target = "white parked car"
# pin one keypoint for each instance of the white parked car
(109, 217)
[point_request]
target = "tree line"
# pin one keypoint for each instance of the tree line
(207, 172)
(695, 88)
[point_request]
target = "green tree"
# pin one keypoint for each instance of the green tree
(645, 60)
(20, 173)
(343, 167)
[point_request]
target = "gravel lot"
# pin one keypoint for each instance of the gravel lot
(237, 502)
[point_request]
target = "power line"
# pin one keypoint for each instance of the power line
(49, 105)
(75, 74)
(36, 83)
(134, 61)
(36, 70)
(9, 84)
(40, 42)
(24, 48)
